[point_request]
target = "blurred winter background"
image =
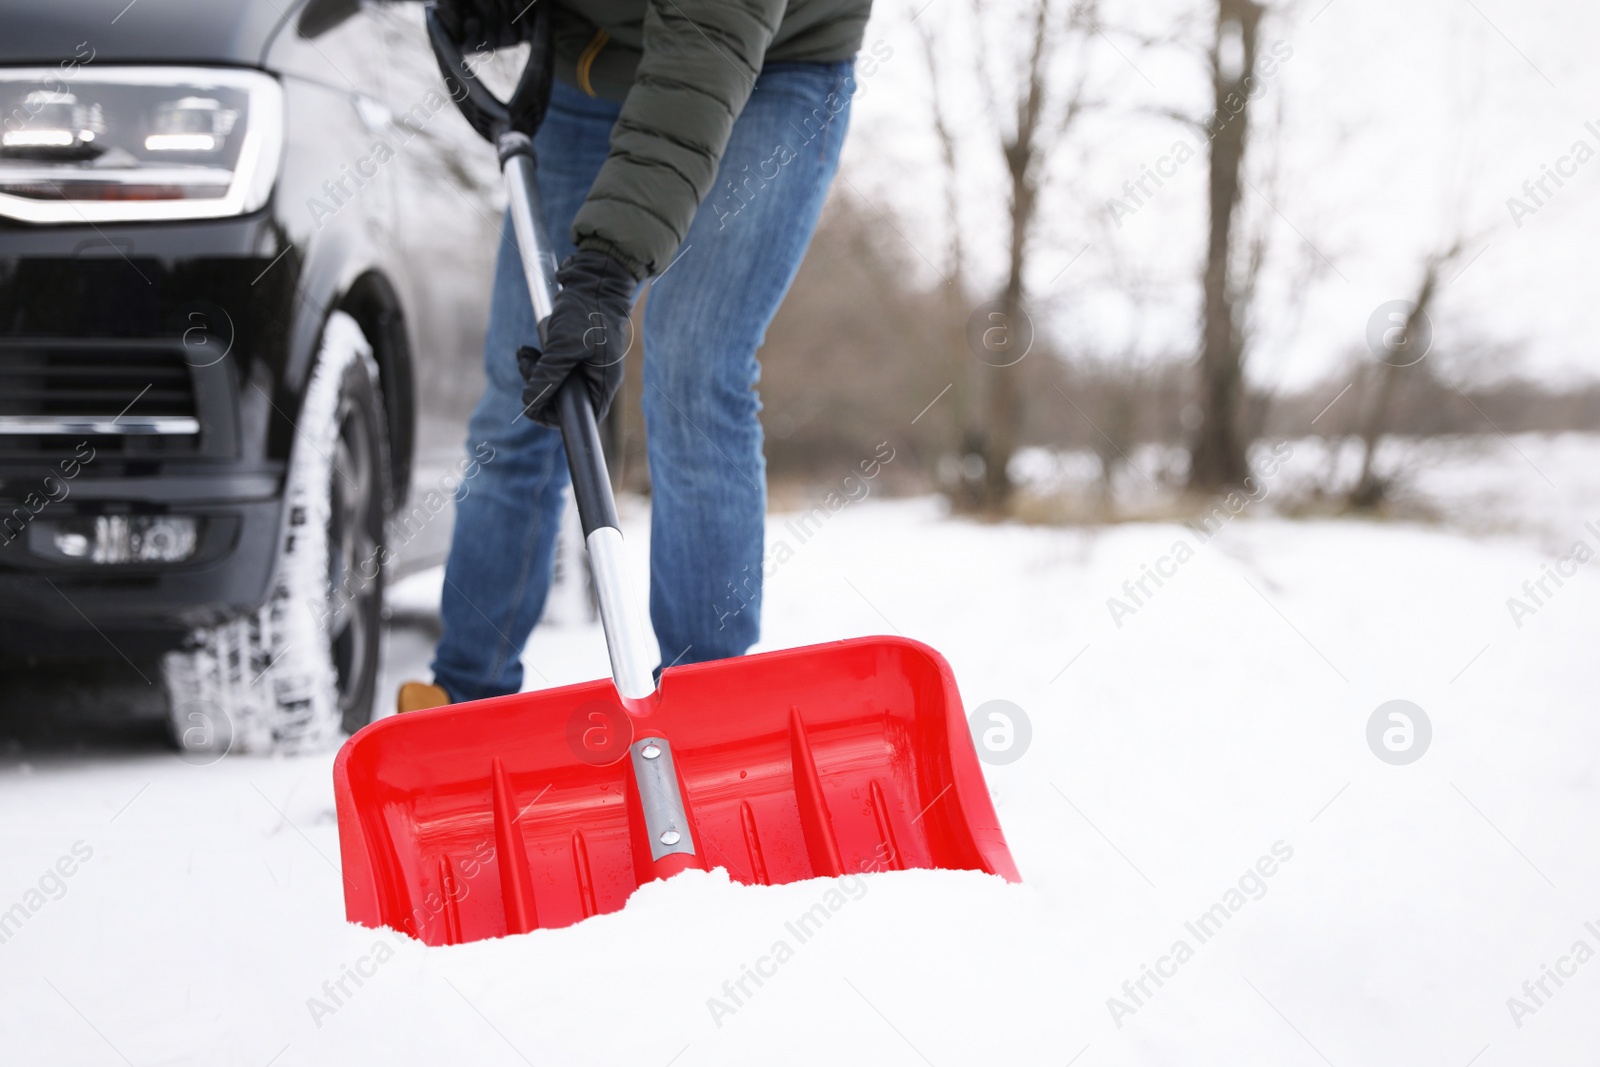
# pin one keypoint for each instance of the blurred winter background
(1304, 288)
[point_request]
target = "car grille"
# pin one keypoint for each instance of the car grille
(130, 397)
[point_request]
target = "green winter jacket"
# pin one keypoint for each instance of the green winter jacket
(683, 70)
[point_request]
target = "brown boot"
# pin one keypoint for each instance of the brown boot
(420, 696)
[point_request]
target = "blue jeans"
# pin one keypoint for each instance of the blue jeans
(708, 313)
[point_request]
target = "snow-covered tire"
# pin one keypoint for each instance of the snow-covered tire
(301, 671)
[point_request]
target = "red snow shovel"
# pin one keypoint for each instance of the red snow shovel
(542, 809)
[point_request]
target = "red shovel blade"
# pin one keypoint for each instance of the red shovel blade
(521, 812)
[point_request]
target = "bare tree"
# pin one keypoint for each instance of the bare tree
(958, 415)
(1032, 122)
(1371, 488)
(1217, 456)
(1118, 393)
(955, 254)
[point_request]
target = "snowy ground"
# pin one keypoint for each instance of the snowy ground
(1221, 725)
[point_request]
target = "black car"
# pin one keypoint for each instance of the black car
(232, 235)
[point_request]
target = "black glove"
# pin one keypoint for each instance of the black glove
(588, 335)
(475, 24)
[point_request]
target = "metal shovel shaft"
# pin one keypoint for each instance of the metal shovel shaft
(626, 638)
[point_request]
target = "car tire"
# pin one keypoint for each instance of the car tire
(301, 671)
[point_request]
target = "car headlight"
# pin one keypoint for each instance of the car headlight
(118, 144)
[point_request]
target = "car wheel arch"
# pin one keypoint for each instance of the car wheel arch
(372, 300)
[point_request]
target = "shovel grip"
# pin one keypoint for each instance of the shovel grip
(591, 483)
(487, 113)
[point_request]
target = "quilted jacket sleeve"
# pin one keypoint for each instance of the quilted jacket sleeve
(699, 65)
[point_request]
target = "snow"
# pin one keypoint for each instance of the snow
(1223, 721)
(1541, 484)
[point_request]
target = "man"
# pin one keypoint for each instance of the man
(691, 143)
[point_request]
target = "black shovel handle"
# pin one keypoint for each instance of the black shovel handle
(487, 113)
(586, 461)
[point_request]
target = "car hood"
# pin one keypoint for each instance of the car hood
(145, 31)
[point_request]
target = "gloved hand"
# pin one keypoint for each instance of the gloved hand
(484, 23)
(588, 335)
